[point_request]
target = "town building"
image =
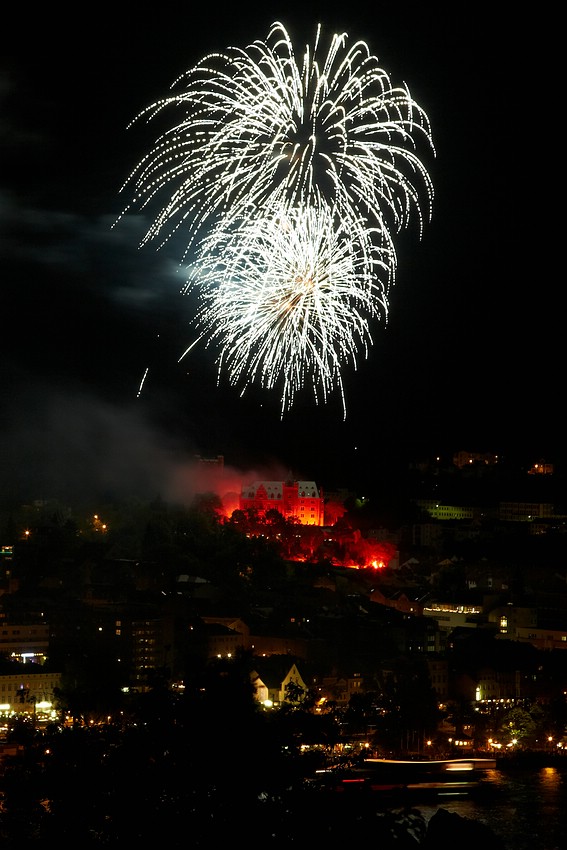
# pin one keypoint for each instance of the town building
(28, 692)
(24, 641)
(276, 679)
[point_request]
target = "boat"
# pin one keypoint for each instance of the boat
(397, 777)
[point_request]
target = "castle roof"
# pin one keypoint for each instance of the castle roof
(275, 489)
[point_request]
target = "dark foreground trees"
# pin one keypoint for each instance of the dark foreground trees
(99, 789)
(197, 769)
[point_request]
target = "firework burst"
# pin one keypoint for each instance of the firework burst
(287, 299)
(265, 154)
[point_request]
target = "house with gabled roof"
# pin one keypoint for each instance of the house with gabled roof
(271, 676)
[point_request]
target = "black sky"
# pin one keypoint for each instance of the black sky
(471, 358)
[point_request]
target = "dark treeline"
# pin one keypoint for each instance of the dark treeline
(196, 768)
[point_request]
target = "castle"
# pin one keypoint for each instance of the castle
(300, 499)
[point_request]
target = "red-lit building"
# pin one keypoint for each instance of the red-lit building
(300, 499)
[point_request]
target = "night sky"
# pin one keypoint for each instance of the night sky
(472, 356)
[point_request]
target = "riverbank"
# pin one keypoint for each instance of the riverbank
(531, 759)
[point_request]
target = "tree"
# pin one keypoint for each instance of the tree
(525, 725)
(408, 706)
(294, 694)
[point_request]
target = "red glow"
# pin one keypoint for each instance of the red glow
(331, 540)
(333, 512)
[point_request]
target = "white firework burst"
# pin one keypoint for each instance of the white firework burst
(256, 127)
(327, 144)
(287, 300)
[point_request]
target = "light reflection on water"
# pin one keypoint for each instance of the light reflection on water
(526, 808)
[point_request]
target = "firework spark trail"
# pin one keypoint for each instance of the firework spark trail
(261, 138)
(144, 376)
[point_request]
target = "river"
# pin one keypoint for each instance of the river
(526, 807)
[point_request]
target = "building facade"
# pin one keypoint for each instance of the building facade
(300, 499)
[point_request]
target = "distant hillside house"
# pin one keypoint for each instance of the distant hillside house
(300, 499)
(445, 512)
